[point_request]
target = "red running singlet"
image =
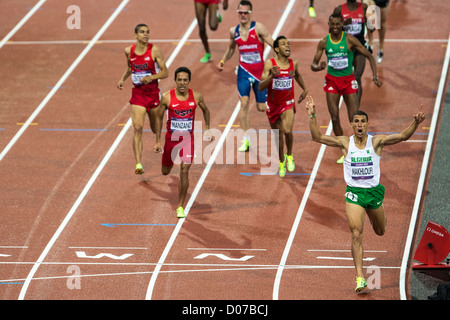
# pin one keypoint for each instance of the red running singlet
(356, 28)
(180, 125)
(280, 92)
(250, 51)
(143, 66)
(181, 114)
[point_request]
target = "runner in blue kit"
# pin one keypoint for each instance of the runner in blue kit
(250, 37)
(364, 194)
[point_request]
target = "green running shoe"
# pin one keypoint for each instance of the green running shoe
(206, 58)
(340, 160)
(312, 12)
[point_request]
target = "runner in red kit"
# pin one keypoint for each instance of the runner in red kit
(180, 104)
(278, 76)
(146, 65)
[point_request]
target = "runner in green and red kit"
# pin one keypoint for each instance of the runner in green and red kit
(339, 80)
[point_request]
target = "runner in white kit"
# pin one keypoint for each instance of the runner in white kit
(364, 194)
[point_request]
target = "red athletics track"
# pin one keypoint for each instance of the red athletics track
(231, 211)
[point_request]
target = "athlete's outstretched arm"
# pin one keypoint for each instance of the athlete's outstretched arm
(386, 140)
(341, 141)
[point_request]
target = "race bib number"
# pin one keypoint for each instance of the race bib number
(137, 76)
(353, 29)
(338, 63)
(362, 170)
(181, 124)
(250, 57)
(282, 83)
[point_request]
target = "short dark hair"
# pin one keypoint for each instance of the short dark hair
(276, 43)
(140, 25)
(335, 15)
(245, 3)
(360, 113)
(182, 69)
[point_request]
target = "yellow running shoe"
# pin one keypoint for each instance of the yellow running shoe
(290, 162)
(180, 212)
(139, 169)
(312, 12)
(361, 284)
(282, 170)
(245, 146)
(340, 160)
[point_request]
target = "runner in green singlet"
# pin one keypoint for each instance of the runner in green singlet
(364, 193)
(339, 80)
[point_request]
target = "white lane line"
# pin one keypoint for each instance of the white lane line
(219, 265)
(61, 81)
(344, 258)
(21, 22)
(208, 167)
(343, 250)
(225, 268)
(224, 249)
(423, 174)
(124, 248)
(47, 42)
(13, 247)
(296, 223)
(96, 173)
(101, 165)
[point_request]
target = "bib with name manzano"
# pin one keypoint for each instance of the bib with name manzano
(362, 166)
(181, 113)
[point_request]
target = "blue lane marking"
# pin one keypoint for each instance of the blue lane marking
(249, 174)
(12, 282)
(111, 225)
